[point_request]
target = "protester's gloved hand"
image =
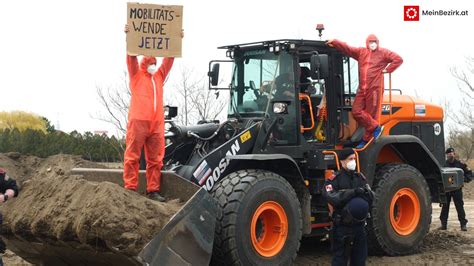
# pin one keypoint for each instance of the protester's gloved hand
(360, 191)
(10, 193)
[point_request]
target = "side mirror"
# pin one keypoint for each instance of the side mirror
(319, 66)
(170, 112)
(214, 74)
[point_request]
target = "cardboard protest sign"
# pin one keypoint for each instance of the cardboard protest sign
(154, 30)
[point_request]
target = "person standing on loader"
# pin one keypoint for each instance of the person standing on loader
(145, 125)
(8, 190)
(373, 62)
(351, 197)
(455, 195)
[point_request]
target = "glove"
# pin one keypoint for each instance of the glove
(360, 191)
(367, 188)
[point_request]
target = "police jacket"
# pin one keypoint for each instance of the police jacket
(458, 164)
(341, 188)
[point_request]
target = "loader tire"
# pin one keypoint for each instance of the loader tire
(259, 222)
(401, 211)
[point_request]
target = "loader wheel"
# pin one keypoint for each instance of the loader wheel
(259, 222)
(401, 211)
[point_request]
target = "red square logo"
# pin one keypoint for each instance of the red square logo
(411, 13)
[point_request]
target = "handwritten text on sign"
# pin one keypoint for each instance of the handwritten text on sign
(155, 30)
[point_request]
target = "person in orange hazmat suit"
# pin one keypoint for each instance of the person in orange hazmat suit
(373, 62)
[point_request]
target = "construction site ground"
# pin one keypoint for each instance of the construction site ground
(439, 248)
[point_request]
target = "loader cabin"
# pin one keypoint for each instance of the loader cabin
(308, 88)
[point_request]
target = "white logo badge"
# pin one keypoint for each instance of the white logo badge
(437, 129)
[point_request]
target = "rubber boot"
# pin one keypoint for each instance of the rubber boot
(443, 226)
(156, 196)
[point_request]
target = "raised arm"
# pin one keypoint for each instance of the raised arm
(345, 48)
(167, 63)
(132, 65)
(393, 59)
(165, 67)
(132, 61)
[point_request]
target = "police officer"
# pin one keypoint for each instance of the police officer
(351, 197)
(8, 190)
(455, 195)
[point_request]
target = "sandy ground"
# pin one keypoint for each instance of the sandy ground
(451, 247)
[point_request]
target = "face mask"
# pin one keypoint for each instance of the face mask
(351, 165)
(151, 69)
(373, 46)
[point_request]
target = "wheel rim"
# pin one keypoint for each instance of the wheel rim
(405, 211)
(269, 229)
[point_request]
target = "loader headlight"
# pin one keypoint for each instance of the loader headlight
(280, 108)
(230, 54)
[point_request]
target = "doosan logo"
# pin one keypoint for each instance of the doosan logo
(411, 13)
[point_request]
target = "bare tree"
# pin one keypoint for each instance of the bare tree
(193, 98)
(462, 132)
(462, 142)
(465, 115)
(208, 104)
(115, 101)
(195, 102)
(446, 108)
(182, 94)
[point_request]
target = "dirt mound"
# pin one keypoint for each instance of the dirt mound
(69, 208)
(18, 166)
(23, 167)
(54, 205)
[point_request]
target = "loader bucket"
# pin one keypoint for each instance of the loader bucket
(186, 239)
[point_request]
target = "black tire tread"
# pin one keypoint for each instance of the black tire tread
(229, 193)
(377, 244)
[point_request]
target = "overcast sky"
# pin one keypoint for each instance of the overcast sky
(55, 53)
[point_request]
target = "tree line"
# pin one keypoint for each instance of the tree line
(93, 147)
(44, 140)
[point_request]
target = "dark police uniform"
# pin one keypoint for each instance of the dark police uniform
(456, 196)
(5, 184)
(349, 236)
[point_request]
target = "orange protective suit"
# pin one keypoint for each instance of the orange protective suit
(367, 103)
(145, 122)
